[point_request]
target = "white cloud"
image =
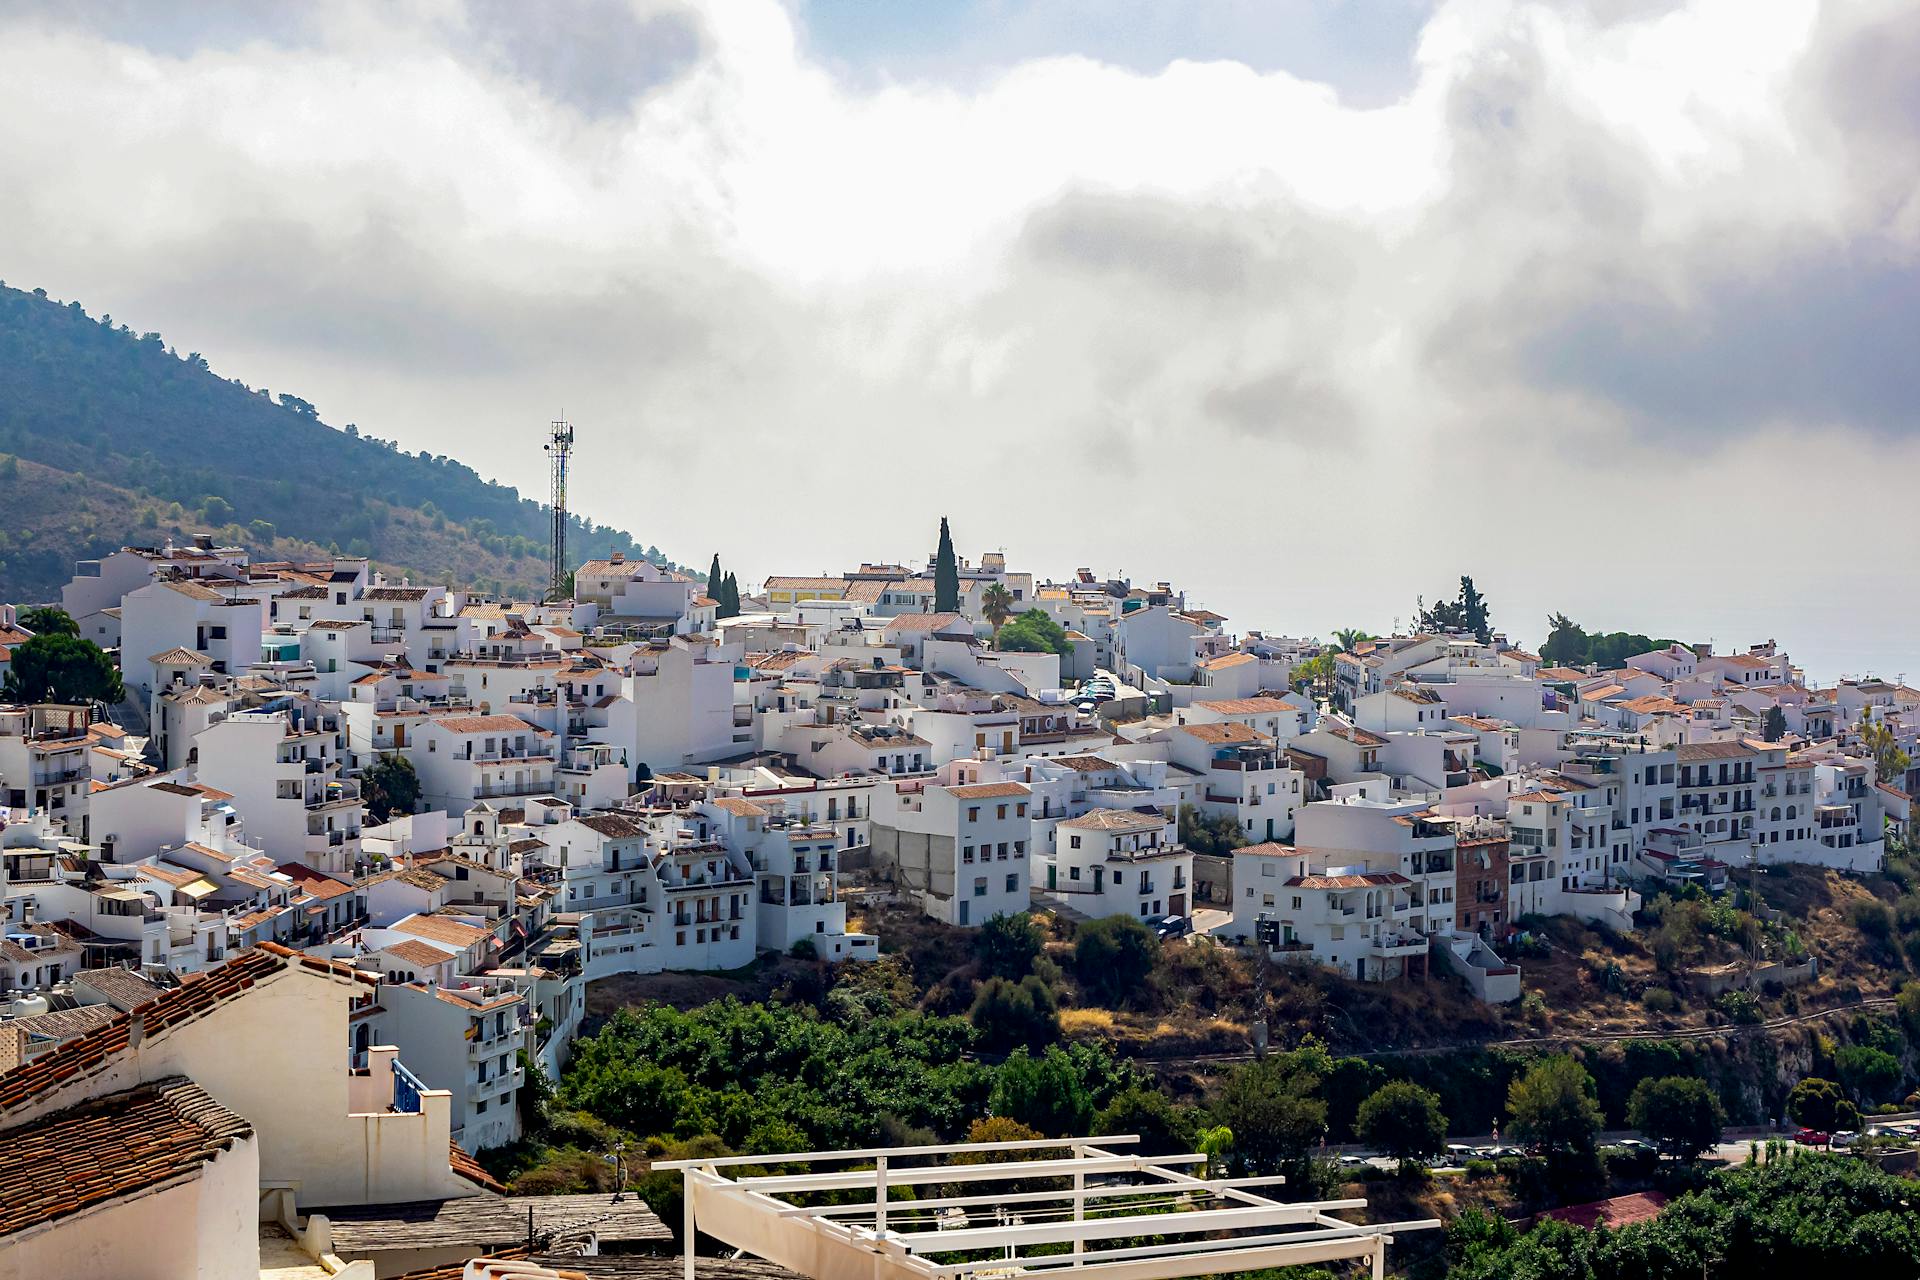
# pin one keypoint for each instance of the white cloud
(1204, 323)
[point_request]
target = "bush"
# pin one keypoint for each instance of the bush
(1481, 1170)
(1007, 946)
(1740, 1006)
(1113, 957)
(1008, 1013)
(1822, 1104)
(1047, 1093)
(1659, 1000)
(1164, 1129)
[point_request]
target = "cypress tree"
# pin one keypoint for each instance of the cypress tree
(729, 598)
(946, 574)
(713, 578)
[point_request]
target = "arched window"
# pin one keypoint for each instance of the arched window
(1791, 812)
(1776, 813)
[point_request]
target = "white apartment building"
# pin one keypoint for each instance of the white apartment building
(1108, 862)
(960, 845)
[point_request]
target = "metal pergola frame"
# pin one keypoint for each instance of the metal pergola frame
(1091, 1194)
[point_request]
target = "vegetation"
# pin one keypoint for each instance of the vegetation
(1034, 631)
(1113, 956)
(111, 433)
(1774, 727)
(1465, 612)
(1568, 645)
(1779, 1221)
(1877, 736)
(723, 590)
(47, 620)
(1554, 1107)
(57, 667)
(996, 602)
(1008, 946)
(1822, 1104)
(389, 786)
(1009, 1013)
(1274, 1109)
(1216, 834)
(1678, 1114)
(946, 574)
(1404, 1121)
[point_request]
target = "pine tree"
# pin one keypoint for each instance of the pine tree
(946, 574)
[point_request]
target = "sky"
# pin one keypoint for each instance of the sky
(1309, 306)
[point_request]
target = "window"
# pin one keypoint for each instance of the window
(1073, 842)
(979, 886)
(1002, 854)
(1013, 882)
(973, 813)
(1296, 904)
(1020, 810)
(966, 853)
(1001, 812)
(1019, 848)
(1266, 868)
(480, 1107)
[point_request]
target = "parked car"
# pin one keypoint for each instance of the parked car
(1844, 1137)
(1170, 927)
(1460, 1153)
(1634, 1144)
(1812, 1138)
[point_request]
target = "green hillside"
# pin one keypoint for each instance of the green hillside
(135, 442)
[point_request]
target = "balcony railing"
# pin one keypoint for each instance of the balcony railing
(406, 1089)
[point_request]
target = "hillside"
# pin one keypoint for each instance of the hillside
(133, 442)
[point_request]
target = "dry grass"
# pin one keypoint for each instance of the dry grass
(1087, 1021)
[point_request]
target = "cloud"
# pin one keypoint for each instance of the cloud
(1196, 317)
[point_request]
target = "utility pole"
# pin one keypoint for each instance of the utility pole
(559, 448)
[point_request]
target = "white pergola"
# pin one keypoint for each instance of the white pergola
(842, 1218)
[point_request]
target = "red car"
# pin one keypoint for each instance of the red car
(1812, 1138)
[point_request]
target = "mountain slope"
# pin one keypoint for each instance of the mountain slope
(134, 442)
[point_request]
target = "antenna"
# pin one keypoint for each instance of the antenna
(559, 446)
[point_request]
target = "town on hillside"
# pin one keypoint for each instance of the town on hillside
(320, 877)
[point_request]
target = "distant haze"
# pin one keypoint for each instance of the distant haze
(1307, 307)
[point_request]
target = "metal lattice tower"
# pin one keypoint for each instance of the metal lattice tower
(559, 446)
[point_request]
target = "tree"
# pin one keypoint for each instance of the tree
(1217, 834)
(61, 668)
(389, 786)
(1047, 1092)
(996, 602)
(1870, 1075)
(1554, 1106)
(1034, 631)
(946, 574)
(1274, 1109)
(1007, 945)
(1346, 639)
(729, 597)
(1113, 956)
(1822, 1104)
(714, 579)
(1164, 1129)
(1889, 761)
(47, 620)
(1775, 725)
(1473, 611)
(1314, 676)
(1404, 1121)
(1678, 1114)
(1007, 1013)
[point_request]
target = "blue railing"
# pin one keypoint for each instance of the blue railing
(406, 1089)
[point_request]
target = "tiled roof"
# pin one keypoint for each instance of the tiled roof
(1249, 707)
(1116, 820)
(612, 825)
(441, 929)
(988, 790)
(739, 807)
(418, 953)
(483, 724)
(180, 657)
(1370, 880)
(110, 1147)
(921, 621)
(1711, 751)
(1227, 733)
(469, 1168)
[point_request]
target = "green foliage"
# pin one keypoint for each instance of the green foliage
(1465, 612)
(996, 603)
(389, 786)
(1050, 1093)
(1404, 1121)
(730, 1068)
(1890, 763)
(1008, 945)
(1678, 1114)
(1774, 726)
(1164, 1129)
(61, 668)
(1822, 1104)
(1567, 645)
(946, 574)
(1216, 834)
(1275, 1109)
(1350, 1082)
(1034, 631)
(1785, 1219)
(1008, 1013)
(47, 620)
(1553, 1106)
(1870, 1075)
(1113, 957)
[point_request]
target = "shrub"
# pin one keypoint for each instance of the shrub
(1008, 1013)
(1113, 956)
(1007, 946)
(1659, 1000)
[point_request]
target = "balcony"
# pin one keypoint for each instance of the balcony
(1396, 945)
(494, 790)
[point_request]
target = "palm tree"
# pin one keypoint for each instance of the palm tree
(1347, 637)
(997, 603)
